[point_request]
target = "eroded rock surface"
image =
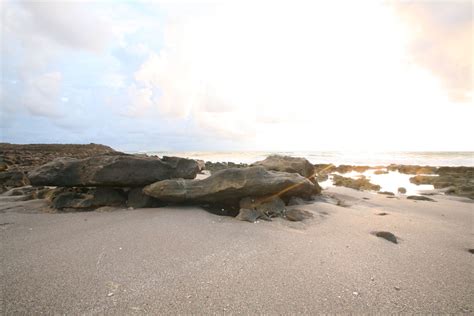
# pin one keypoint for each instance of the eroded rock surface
(229, 186)
(287, 164)
(361, 183)
(112, 171)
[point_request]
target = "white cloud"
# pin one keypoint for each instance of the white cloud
(442, 40)
(42, 95)
(266, 71)
(141, 101)
(68, 23)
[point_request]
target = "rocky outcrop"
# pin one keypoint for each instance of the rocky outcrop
(412, 169)
(349, 168)
(27, 157)
(229, 186)
(457, 180)
(216, 166)
(112, 171)
(287, 164)
(361, 183)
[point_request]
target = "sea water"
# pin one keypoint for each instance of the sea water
(439, 158)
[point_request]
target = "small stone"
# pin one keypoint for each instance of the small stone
(355, 293)
(110, 294)
(397, 288)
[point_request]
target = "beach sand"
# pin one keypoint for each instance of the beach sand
(184, 260)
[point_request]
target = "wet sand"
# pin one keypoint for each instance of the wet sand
(184, 260)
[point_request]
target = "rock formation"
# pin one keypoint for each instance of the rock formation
(229, 186)
(112, 171)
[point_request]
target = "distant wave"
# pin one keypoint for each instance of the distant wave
(436, 158)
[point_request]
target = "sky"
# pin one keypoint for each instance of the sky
(238, 75)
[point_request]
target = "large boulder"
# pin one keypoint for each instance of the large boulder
(229, 186)
(112, 171)
(287, 164)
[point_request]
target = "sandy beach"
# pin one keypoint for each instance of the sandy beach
(181, 260)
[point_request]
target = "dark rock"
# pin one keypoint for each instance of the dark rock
(294, 200)
(382, 214)
(418, 179)
(412, 169)
(88, 199)
(420, 198)
(138, 199)
(361, 183)
(402, 190)
(271, 207)
(217, 166)
(287, 164)
(112, 171)
(386, 193)
(349, 168)
(12, 179)
(460, 180)
(296, 215)
(251, 215)
(181, 167)
(229, 186)
(387, 236)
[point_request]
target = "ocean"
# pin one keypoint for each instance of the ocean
(435, 158)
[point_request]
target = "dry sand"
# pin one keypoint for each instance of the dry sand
(185, 260)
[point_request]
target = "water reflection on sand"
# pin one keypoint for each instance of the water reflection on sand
(390, 181)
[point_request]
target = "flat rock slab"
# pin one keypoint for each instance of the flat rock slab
(112, 171)
(229, 186)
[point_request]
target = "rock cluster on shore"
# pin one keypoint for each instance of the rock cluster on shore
(456, 180)
(121, 180)
(86, 177)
